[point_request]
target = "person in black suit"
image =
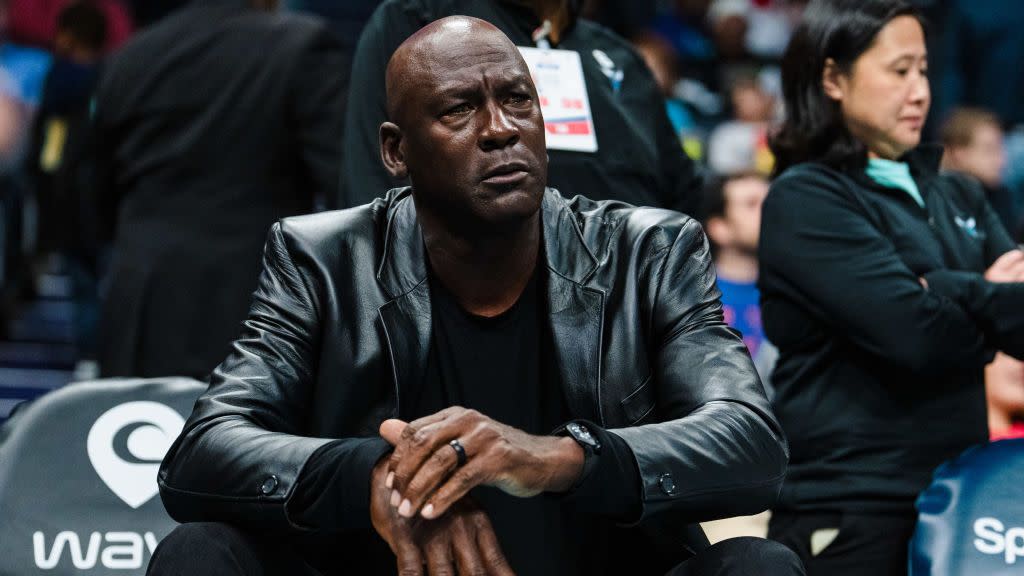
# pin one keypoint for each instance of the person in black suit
(210, 125)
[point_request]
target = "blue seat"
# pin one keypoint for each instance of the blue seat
(971, 517)
(78, 467)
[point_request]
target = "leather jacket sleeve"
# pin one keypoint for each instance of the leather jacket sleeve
(257, 399)
(718, 450)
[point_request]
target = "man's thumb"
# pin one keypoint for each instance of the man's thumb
(391, 430)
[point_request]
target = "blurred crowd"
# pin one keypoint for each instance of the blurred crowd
(714, 62)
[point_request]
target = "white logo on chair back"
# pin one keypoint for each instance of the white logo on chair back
(995, 538)
(126, 445)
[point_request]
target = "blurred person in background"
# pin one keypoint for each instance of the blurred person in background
(663, 63)
(885, 285)
(684, 25)
(58, 165)
(973, 141)
(732, 221)
(210, 125)
(758, 28)
(61, 131)
(981, 51)
(637, 159)
(741, 144)
(1004, 388)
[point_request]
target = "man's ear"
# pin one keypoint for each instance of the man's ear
(833, 81)
(392, 151)
(718, 231)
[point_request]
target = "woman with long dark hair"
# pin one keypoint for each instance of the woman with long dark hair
(885, 285)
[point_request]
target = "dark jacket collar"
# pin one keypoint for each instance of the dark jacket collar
(924, 162)
(403, 262)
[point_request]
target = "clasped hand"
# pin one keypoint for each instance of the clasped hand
(419, 500)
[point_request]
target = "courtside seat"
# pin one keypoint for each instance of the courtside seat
(78, 467)
(971, 518)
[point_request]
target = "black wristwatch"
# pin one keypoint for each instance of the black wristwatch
(579, 432)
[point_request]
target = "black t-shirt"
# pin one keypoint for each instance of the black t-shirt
(498, 367)
(494, 365)
(502, 367)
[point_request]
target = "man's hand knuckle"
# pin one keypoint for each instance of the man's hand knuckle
(501, 448)
(463, 479)
(440, 458)
(420, 438)
(401, 478)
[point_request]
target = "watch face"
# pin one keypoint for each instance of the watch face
(581, 434)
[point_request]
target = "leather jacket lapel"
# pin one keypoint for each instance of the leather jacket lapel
(407, 330)
(576, 327)
(403, 265)
(577, 311)
(406, 318)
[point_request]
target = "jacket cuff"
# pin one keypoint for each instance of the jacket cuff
(332, 492)
(611, 486)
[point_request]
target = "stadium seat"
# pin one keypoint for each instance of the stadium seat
(78, 466)
(971, 518)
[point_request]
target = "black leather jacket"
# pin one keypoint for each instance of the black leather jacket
(340, 326)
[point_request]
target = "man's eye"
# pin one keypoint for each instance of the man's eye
(518, 99)
(459, 109)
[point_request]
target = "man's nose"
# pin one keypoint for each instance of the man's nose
(498, 130)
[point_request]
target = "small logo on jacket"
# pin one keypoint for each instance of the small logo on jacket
(969, 226)
(126, 445)
(608, 68)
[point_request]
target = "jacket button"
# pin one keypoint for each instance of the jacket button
(668, 485)
(269, 485)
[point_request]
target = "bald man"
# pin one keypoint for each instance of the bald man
(474, 375)
(634, 155)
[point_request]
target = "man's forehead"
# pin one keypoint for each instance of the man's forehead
(454, 73)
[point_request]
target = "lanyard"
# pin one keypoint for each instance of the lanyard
(541, 34)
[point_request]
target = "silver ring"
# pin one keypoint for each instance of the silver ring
(460, 452)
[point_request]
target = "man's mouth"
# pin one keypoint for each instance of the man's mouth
(506, 174)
